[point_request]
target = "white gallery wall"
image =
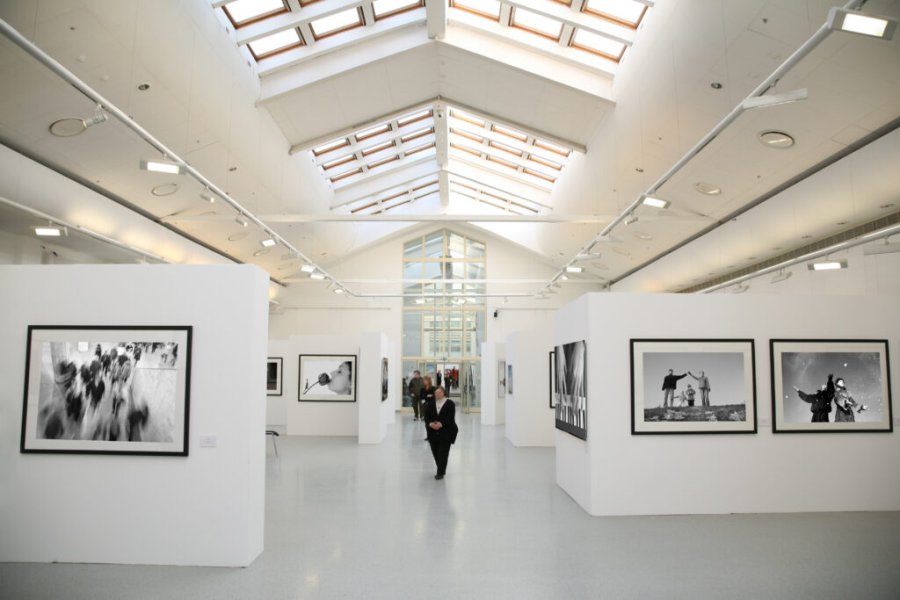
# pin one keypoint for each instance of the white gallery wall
(374, 415)
(203, 509)
(529, 418)
(616, 473)
(493, 405)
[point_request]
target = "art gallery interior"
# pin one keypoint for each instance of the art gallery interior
(459, 187)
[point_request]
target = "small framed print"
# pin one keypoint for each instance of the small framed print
(327, 378)
(273, 375)
(384, 378)
(553, 393)
(107, 390)
(821, 386)
(501, 379)
(509, 378)
(693, 386)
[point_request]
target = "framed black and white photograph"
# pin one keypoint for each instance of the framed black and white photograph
(327, 378)
(384, 378)
(693, 386)
(273, 375)
(107, 390)
(553, 393)
(830, 386)
(509, 378)
(571, 388)
(501, 379)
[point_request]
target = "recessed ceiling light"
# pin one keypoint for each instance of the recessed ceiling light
(574, 269)
(776, 139)
(165, 189)
(268, 243)
(715, 85)
(704, 187)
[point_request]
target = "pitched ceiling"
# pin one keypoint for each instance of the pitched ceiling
(248, 127)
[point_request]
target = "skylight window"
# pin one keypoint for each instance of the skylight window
(623, 12)
(378, 148)
(244, 12)
(598, 44)
(387, 8)
(518, 135)
(416, 134)
(372, 132)
(326, 148)
(482, 8)
(338, 162)
(277, 42)
(418, 149)
(417, 116)
(535, 23)
(336, 23)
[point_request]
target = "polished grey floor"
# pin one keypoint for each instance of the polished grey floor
(349, 521)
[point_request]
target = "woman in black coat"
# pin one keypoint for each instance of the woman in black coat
(440, 419)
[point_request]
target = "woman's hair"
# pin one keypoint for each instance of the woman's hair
(349, 366)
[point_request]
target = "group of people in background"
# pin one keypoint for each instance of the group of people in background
(833, 391)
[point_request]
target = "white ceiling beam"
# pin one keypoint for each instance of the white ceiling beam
(444, 187)
(436, 17)
(306, 65)
(404, 218)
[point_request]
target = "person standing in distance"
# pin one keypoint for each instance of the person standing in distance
(415, 386)
(440, 417)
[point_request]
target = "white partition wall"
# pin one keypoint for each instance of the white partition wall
(203, 509)
(493, 406)
(616, 473)
(373, 413)
(321, 418)
(276, 406)
(529, 418)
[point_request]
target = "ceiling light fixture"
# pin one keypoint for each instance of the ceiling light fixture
(655, 202)
(208, 196)
(573, 269)
(776, 139)
(72, 126)
(564, 277)
(317, 276)
(632, 218)
(338, 290)
(841, 19)
(48, 231)
(308, 268)
(704, 187)
(830, 265)
(775, 99)
(240, 220)
(162, 166)
(782, 275)
(267, 243)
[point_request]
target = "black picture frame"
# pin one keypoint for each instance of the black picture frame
(501, 379)
(571, 386)
(274, 375)
(859, 403)
(107, 389)
(552, 379)
(509, 379)
(318, 374)
(724, 401)
(384, 378)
